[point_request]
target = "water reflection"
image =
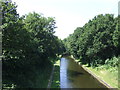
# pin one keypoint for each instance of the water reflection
(74, 76)
(64, 81)
(73, 73)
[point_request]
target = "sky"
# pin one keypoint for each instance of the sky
(69, 14)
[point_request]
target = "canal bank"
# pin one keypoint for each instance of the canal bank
(106, 76)
(96, 77)
(72, 75)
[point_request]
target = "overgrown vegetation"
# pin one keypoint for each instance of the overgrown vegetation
(97, 43)
(29, 48)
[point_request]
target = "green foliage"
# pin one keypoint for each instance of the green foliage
(29, 44)
(96, 41)
(56, 76)
(113, 62)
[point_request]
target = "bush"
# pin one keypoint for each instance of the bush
(113, 62)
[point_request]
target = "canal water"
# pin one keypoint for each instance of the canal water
(72, 75)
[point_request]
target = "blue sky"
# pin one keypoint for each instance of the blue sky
(69, 14)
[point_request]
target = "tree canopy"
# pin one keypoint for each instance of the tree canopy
(29, 43)
(96, 41)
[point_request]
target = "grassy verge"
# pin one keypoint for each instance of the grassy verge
(107, 72)
(56, 75)
(110, 76)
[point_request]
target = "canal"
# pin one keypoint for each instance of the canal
(72, 75)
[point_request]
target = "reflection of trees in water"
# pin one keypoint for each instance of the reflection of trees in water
(73, 73)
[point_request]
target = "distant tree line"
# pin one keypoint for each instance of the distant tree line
(28, 43)
(97, 41)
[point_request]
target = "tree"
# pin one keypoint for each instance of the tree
(28, 45)
(96, 41)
